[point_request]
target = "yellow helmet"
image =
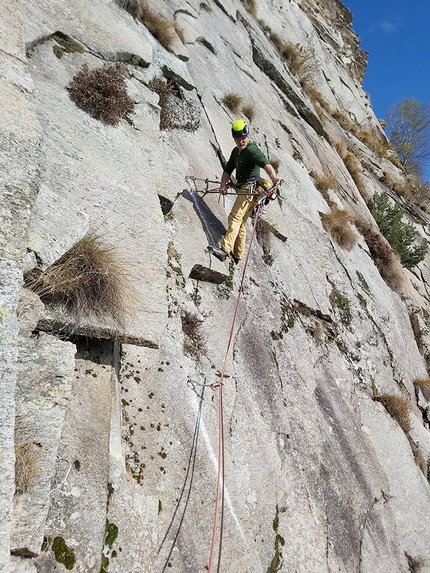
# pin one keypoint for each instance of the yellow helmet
(239, 128)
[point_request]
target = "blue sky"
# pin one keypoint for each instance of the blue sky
(396, 33)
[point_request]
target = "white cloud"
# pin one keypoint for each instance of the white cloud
(388, 26)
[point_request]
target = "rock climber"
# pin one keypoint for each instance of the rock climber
(247, 159)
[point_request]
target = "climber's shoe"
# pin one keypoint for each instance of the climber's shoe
(235, 259)
(218, 253)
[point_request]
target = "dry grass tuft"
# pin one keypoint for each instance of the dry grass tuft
(391, 182)
(354, 168)
(250, 6)
(157, 24)
(232, 101)
(264, 227)
(317, 99)
(293, 56)
(398, 408)
(324, 182)
(249, 111)
(27, 459)
(341, 148)
(374, 141)
(424, 386)
(338, 224)
(165, 90)
(102, 92)
(415, 565)
(90, 279)
(275, 163)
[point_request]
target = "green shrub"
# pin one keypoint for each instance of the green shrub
(401, 236)
(102, 92)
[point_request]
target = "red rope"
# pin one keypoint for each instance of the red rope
(220, 479)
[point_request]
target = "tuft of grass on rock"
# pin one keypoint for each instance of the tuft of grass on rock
(275, 163)
(157, 24)
(424, 386)
(250, 6)
(324, 182)
(338, 223)
(102, 92)
(354, 168)
(91, 278)
(415, 564)
(249, 111)
(232, 101)
(27, 460)
(398, 408)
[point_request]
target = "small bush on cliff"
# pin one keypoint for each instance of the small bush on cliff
(383, 256)
(102, 92)
(89, 279)
(398, 408)
(165, 90)
(401, 236)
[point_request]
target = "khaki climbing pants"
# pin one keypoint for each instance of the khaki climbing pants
(234, 239)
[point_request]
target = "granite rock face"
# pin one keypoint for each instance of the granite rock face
(120, 410)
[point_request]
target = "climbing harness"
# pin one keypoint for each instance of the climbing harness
(269, 193)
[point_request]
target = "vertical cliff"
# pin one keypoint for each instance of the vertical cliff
(112, 411)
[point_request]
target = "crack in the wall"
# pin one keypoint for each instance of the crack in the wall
(121, 57)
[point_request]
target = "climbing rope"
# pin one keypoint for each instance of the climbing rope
(220, 477)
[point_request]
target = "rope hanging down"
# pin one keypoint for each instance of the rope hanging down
(220, 478)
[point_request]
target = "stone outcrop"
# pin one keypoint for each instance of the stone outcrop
(120, 415)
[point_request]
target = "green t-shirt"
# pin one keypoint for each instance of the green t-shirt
(247, 163)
